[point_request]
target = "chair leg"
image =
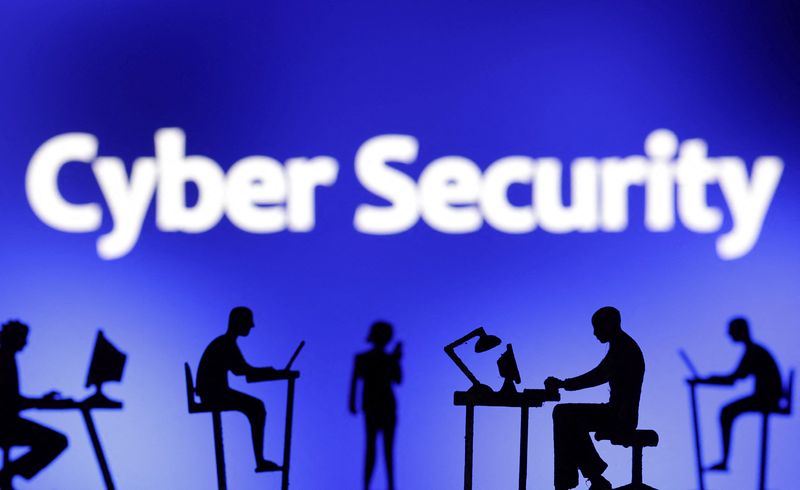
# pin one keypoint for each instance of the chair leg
(219, 451)
(762, 479)
(636, 472)
(636, 467)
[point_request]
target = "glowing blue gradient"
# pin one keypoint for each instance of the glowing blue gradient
(483, 80)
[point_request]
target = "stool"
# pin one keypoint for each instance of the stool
(216, 417)
(784, 408)
(636, 440)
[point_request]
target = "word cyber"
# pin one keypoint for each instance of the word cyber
(453, 194)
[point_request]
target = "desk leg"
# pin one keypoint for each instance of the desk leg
(697, 447)
(523, 449)
(468, 447)
(98, 449)
(287, 438)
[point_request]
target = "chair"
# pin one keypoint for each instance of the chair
(216, 417)
(637, 440)
(784, 408)
(6, 446)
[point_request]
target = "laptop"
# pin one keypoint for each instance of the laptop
(294, 356)
(688, 363)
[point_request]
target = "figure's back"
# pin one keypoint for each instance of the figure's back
(759, 362)
(212, 372)
(625, 378)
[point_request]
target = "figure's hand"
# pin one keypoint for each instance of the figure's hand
(398, 350)
(553, 383)
(269, 371)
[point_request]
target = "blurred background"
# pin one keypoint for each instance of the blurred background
(479, 79)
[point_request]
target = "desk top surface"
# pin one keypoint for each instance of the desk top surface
(91, 403)
(276, 375)
(526, 398)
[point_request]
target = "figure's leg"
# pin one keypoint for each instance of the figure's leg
(369, 462)
(572, 444)
(388, 452)
(727, 416)
(46, 444)
(256, 414)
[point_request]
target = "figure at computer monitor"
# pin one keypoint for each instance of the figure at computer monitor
(45, 444)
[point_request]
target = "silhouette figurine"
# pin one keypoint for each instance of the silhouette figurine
(45, 444)
(378, 371)
(222, 356)
(623, 369)
(758, 362)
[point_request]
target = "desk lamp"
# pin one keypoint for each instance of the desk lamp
(107, 365)
(485, 343)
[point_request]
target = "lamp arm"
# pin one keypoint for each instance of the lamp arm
(450, 349)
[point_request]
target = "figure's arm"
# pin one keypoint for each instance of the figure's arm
(397, 372)
(594, 377)
(742, 371)
(24, 402)
(240, 367)
(353, 383)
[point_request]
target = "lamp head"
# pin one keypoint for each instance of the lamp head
(486, 342)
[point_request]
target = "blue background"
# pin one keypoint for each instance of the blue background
(478, 79)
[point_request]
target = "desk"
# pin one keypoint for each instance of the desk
(524, 401)
(290, 377)
(696, 426)
(94, 402)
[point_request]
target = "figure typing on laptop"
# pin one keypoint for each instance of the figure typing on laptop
(222, 356)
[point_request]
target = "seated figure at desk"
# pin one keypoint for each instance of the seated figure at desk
(222, 356)
(623, 369)
(45, 444)
(758, 362)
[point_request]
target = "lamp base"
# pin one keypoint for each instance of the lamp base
(480, 389)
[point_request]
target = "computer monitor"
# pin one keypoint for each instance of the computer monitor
(107, 364)
(507, 366)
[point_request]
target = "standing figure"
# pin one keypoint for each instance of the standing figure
(45, 444)
(756, 362)
(378, 371)
(223, 356)
(623, 369)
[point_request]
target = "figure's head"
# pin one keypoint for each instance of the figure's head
(380, 334)
(607, 322)
(14, 335)
(240, 321)
(739, 330)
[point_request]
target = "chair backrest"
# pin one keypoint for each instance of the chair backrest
(190, 401)
(788, 394)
